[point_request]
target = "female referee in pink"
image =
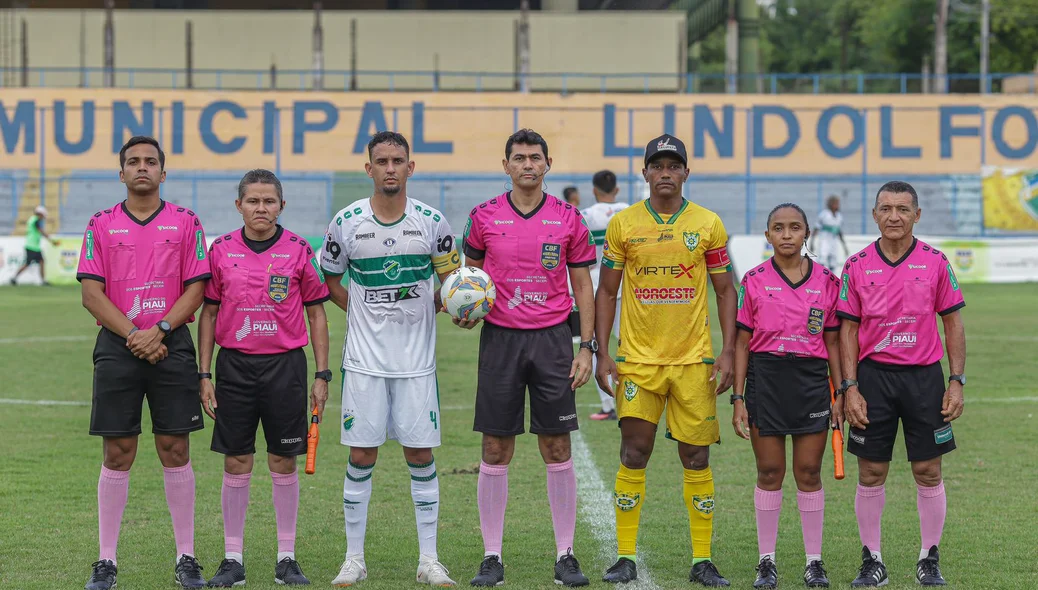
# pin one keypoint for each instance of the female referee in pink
(787, 347)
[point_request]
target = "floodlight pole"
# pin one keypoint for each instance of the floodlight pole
(985, 36)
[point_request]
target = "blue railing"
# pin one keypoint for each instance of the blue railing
(953, 204)
(565, 82)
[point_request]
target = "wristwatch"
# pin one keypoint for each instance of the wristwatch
(847, 384)
(591, 345)
(736, 398)
(165, 327)
(960, 378)
(205, 376)
(325, 374)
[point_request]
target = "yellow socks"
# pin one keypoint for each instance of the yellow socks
(699, 499)
(628, 496)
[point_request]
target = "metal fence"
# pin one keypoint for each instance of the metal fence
(566, 82)
(952, 205)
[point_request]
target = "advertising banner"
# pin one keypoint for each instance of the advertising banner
(993, 260)
(1010, 199)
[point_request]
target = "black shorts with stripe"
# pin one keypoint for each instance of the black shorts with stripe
(260, 388)
(911, 394)
(122, 381)
(512, 360)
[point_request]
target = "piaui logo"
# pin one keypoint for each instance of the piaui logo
(135, 309)
(244, 330)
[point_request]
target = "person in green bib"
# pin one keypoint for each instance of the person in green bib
(33, 254)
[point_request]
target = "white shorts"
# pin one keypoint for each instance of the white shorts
(406, 409)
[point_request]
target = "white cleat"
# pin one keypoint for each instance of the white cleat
(352, 571)
(433, 573)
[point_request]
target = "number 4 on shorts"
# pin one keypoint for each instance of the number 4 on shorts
(432, 418)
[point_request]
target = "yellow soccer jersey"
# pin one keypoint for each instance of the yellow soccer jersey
(664, 319)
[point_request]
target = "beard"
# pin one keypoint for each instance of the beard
(391, 191)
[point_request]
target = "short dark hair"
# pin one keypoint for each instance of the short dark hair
(790, 206)
(138, 140)
(569, 190)
(604, 180)
(525, 137)
(898, 187)
(390, 137)
(260, 176)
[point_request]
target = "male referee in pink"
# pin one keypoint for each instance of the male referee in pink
(265, 279)
(892, 293)
(529, 242)
(143, 268)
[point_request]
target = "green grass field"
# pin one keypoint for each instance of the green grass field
(48, 521)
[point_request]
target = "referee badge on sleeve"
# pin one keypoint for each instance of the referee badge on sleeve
(815, 319)
(277, 288)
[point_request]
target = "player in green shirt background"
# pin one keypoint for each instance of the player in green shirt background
(33, 232)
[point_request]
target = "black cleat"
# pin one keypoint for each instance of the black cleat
(815, 575)
(230, 573)
(767, 574)
(103, 577)
(567, 572)
(872, 573)
(705, 573)
(622, 572)
(288, 573)
(188, 573)
(928, 570)
(491, 572)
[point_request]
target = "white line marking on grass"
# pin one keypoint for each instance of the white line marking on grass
(596, 506)
(41, 402)
(1001, 400)
(37, 339)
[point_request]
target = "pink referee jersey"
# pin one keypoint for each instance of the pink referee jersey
(895, 303)
(262, 288)
(528, 257)
(786, 317)
(144, 265)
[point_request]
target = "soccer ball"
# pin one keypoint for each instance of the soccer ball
(468, 293)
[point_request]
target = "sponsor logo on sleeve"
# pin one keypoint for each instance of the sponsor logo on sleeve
(199, 245)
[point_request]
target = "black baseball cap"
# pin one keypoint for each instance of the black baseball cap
(666, 144)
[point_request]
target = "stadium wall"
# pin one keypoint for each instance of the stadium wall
(450, 41)
(748, 152)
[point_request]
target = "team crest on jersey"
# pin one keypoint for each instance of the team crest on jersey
(630, 390)
(815, 320)
(277, 288)
(626, 502)
(704, 504)
(551, 254)
(691, 240)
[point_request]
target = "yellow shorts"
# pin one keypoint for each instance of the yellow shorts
(684, 390)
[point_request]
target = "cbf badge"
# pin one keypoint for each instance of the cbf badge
(550, 256)
(277, 288)
(815, 320)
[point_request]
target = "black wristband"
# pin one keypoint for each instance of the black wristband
(205, 376)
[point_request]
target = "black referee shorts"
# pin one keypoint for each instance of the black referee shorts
(122, 381)
(33, 257)
(255, 388)
(914, 395)
(787, 394)
(511, 360)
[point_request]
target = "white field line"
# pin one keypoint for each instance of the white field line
(596, 507)
(38, 339)
(41, 402)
